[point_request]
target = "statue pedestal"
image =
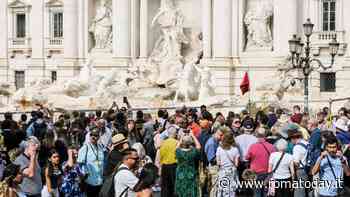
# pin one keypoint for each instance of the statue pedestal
(102, 57)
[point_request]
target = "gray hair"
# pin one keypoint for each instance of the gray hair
(281, 145)
(172, 132)
(187, 141)
(139, 149)
(30, 140)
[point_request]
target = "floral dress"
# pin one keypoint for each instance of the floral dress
(186, 182)
(71, 179)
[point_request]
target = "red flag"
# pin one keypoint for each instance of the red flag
(245, 87)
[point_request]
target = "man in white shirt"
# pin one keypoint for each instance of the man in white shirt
(125, 180)
(246, 139)
(299, 157)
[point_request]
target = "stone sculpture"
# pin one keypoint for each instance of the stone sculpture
(258, 21)
(101, 26)
(167, 50)
(187, 83)
(207, 85)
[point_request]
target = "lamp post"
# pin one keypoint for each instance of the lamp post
(301, 59)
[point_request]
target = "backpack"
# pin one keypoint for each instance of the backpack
(312, 154)
(107, 189)
(39, 130)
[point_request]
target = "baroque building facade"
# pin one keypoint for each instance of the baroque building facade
(53, 39)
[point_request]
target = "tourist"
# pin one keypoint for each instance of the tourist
(147, 179)
(193, 126)
(72, 175)
(299, 156)
(53, 175)
(342, 133)
(258, 156)
(235, 125)
(212, 145)
(91, 157)
(119, 143)
(133, 134)
(168, 162)
(143, 158)
(12, 179)
(28, 161)
(331, 165)
(38, 128)
(227, 157)
(282, 168)
(245, 140)
(125, 180)
(186, 182)
(148, 136)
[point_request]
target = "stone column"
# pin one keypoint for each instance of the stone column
(284, 11)
(37, 26)
(222, 29)
(3, 32)
(82, 29)
(135, 28)
(121, 29)
(70, 30)
(235, 28)
(207, 28)
(144, 29)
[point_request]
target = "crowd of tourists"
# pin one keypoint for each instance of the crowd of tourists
(189, 153)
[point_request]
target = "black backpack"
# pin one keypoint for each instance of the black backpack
(107, 189)
(39, 130)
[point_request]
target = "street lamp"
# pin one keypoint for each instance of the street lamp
(303, 61)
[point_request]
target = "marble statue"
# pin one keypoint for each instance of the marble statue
(101, 26)
(87, 71)
(258, 21)
(281, 84)
(167, 50)
(187, 83)
(206, 88)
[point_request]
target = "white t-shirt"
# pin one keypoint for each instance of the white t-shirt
(299, 153)
(226, 158)
(124, 179)
(244, 141)
(282, 171)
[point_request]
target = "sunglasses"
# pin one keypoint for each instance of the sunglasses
(96, 136)
(134, 158)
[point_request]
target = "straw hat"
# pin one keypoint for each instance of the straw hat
(119, 139)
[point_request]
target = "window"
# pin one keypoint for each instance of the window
(327, 82)
(328, 12)
(57, 24)
(20, 25)
(53, 76)
(19, 79)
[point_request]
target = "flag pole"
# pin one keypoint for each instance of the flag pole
(249, 96)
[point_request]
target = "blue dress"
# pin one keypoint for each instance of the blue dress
(71, 179)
